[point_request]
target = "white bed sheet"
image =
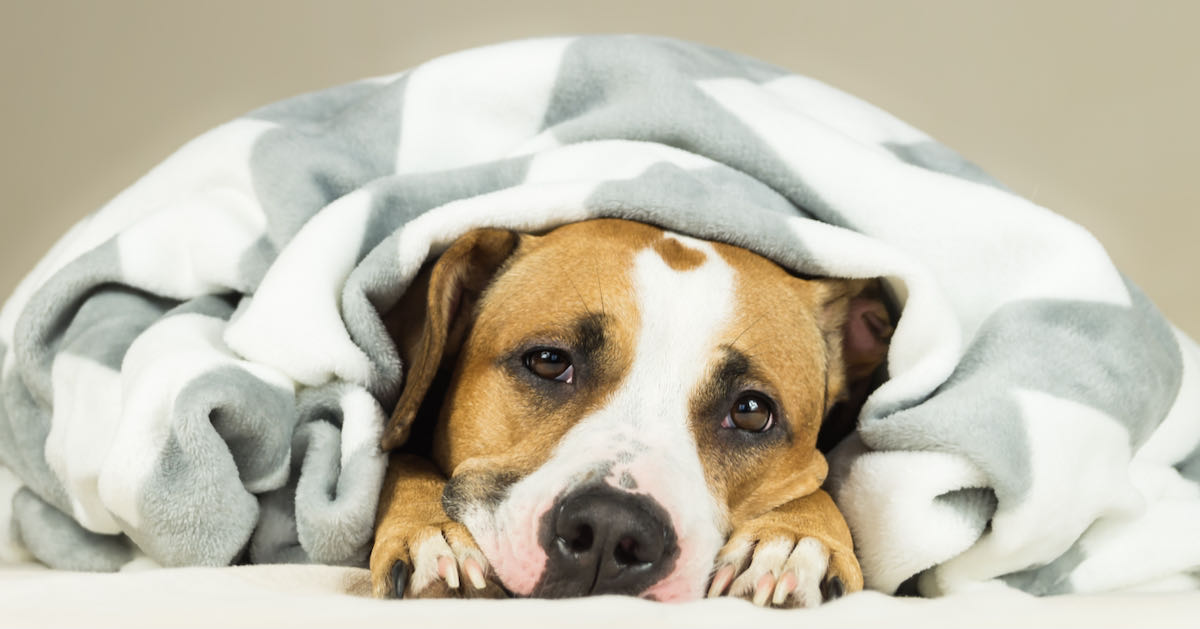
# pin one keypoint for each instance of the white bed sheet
(323, 596)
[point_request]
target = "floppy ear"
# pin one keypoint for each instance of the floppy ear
(433, 317)
(857, 326)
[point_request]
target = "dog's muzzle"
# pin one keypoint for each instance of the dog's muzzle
(600, 540)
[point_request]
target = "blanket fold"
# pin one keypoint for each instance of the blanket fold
(198, 372)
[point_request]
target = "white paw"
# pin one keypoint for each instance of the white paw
(780, 572)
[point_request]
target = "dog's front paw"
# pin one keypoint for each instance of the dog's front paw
(435, 561)
(783, 568)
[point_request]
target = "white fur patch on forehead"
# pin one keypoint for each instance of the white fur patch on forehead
(683, 306)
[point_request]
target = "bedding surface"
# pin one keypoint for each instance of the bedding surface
(325, 596)
(198, 373)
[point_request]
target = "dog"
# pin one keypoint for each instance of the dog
(611, 408)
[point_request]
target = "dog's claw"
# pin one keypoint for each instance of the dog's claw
(763, 589)
(474, 573)
(721, 581)
(833, 588)
(786, 585)
(400, 573)
(448, 570)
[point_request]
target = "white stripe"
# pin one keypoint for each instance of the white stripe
(219, 159)
(1027, 251)
(362, 426)
(87, 411)
(1035, 528)
(478, 105)
(294, 321)
(848, 115)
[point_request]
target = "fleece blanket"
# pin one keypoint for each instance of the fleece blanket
(197, 373)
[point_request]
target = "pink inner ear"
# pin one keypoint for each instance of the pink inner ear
(866, 333)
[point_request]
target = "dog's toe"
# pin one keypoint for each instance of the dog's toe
(438, 561)
(779, 571)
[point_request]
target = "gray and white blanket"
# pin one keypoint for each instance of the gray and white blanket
(197, 372)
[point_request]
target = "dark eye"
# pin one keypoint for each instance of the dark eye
(752, 412)
(550, 364)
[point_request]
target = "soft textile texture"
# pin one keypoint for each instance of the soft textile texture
(198, 371)
(322, 596)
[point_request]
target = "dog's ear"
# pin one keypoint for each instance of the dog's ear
(434, 315)
(857, 326)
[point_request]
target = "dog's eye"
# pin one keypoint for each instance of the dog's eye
(752, 412)
(550, 364)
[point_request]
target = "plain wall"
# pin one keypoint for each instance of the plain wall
(1088, 108)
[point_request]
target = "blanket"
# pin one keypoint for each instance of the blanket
(197, 373)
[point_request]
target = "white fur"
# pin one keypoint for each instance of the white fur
(809, 561)
(425, 556)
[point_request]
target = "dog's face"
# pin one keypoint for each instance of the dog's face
(621, 398)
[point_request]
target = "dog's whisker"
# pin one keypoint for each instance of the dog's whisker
(599, 287)
(747, 329)
(579, 294)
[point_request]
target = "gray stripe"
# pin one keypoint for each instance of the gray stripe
(61, 543)
(108, 322)
(326, 512)
(335, 505)
(1052, 578)
(1189, 467)
(372, 286)
(1122, 361)
(598, 72)
(705, 204)
(24, 426)
(254, 262)
(228, 430)
(334, 142)
(646, 90)
(212, 306)
(50, 312)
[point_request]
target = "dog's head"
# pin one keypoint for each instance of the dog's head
(619, 397)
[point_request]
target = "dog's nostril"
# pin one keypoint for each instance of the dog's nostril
(579, 540)
(626, 552)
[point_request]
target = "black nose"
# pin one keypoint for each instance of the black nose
(604, 541)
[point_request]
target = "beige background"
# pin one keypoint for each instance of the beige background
(1088, 108)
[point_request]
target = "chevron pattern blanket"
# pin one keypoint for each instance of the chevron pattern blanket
(198, 373)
